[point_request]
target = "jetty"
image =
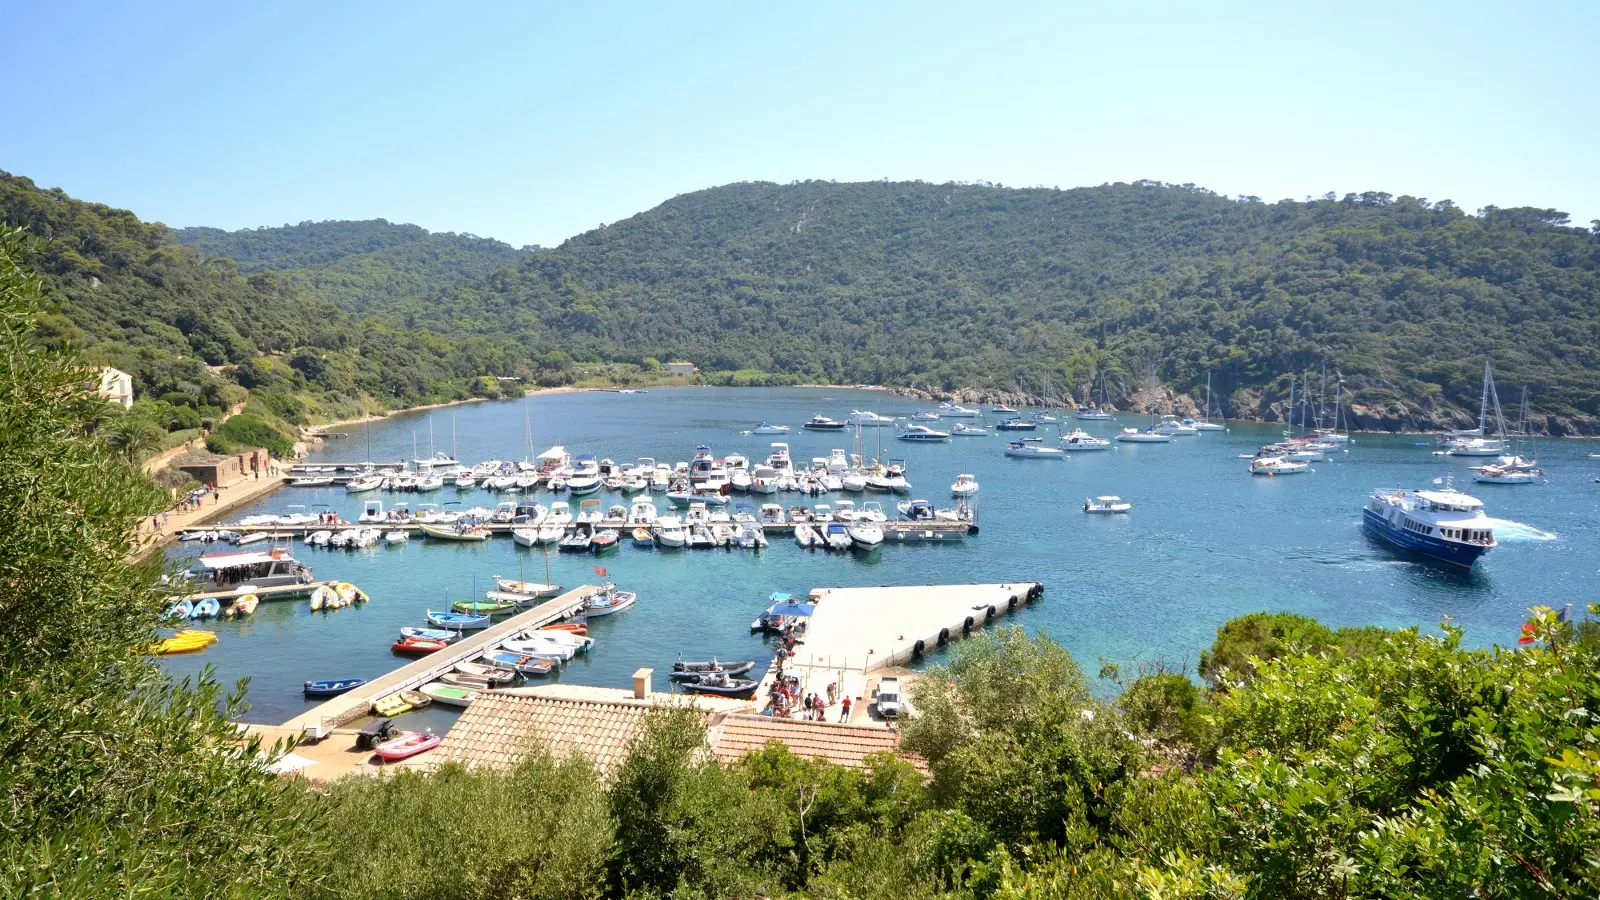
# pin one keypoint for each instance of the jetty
(855, 631)
(928, 531)
(274, 592)
(319, 721)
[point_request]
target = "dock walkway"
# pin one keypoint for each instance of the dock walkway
(347, 708)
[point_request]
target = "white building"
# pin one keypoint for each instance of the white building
(117, 386)
(681, 368)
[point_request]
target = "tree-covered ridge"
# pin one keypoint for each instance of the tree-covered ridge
(355, 264)
(971, 286)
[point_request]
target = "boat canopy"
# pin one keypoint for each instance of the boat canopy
(554, 453)
(792, 609)
(1450, 501)
(251, 558)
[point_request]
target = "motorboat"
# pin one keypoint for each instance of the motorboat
(262, 568)
(768, 428)
(854, 482)
(837, 534)
(1001, 409)
(892, 479)
(579, 541)
(609, 600)
(364, 483)
(1446, 525)
(1014, 424)
(668, 531)
(962, 429)
(869, 419)
(691, 671)
(1277, 465)
(396, 536)
(1082, 441)
(922, 434)
(642, 512)
(1043, 418)
(1106, 504)
(460, 531)
(605, 541)
(466, 481)
(953, 410)
(585, 478)
(318, 538)
(781, 613)
(823, 423)
(807, 537)
(1092, 414)
(864, 534)
(1172, 426)
(551, 533)
(1146, 436)
(1509, 470)
(1033, 448)
(525, 664)
(965, 485)
(925, 416)
(722, 685)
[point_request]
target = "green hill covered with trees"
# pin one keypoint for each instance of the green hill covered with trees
(355, 264)
(957, 286)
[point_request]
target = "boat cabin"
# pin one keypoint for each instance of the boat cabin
(266, 568)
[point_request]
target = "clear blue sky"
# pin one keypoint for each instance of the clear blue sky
(532, 124)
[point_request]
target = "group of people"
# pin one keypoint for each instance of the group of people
(785, 700)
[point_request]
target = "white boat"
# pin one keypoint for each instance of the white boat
(668, 531)
(1277, 465)
(1509, 470)
(964, 485)
(1082, 441)
(1483, 446)
(764, 480)
(609, 600)
(1092, 414)
(891, 479)
(823, 423)
(925, 416)
(397, 536)
(1477, 447)
(1147, 436)
(585, 478)
(807, 537)
(1002, 409)
(768, 428)
(951, 410)
(1446, 525)
(854, 482)
(363, 483)
(318, 538)
(1205, 423)
(922, 434)
(865, 534)
(837, 534)
(1171, 425)
(560, 514)
(551, 532)
(525, 537)
(869, 419)
(1106, 504)
(1033, 448)
(962, 429)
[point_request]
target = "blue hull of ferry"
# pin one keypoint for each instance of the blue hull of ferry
(1453, 552)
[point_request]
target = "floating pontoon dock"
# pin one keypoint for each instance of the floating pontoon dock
(854, 631)
(349, 707)
(898, 532)
(275, 592)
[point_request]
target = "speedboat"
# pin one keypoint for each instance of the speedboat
(1445, 525)
(924, 435)
(962, 429)
(823, 423)
(964, 486)
(1033, 448)
(925, 416)
(668, 531)
(363, 483)
(952, 410)
(869, 419)
(765, 428)
(1509, 470)
(1081, 441)
(1043, 418)
(1147, 436)
(585, 478)
(1277, 465)
(1106, 504)
(1015, 424)
(837, 534)
(866, 535)
(1092, 414)
(891, 480)
(807, 537)
(1002, 409)
(609, 600)
(1171, 425)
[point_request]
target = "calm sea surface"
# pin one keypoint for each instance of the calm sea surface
(1205, 541)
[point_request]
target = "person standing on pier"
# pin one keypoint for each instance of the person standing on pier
(844, 712)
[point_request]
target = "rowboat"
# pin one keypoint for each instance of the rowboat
(431, 634)
(448, 695)
(332, 687)
(244, 606)
(457, 621)
(470, 682)
(643, 539)
(532, 589)
(604, 541)
(206, 609)
(409, 745)
(521, 663)
(542, 647)
(483, 607)
(185, 642)
(417, 646)
(181, 610)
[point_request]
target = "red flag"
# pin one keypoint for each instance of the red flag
(599, 571)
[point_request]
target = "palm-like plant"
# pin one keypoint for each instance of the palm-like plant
(134, 437)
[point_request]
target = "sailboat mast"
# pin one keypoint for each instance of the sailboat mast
(1483, 402)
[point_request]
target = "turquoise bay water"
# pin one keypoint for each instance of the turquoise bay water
(1205, 541)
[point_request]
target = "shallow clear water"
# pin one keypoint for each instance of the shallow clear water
(1204, 542)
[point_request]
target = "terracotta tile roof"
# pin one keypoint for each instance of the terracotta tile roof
(845, 745)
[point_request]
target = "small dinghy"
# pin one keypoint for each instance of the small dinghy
(397, 536)
(206, 609)
(397, 703)
(324, 597)
(475, 682)
(183, 609)
(431, 634)
(1105, 505)
(457, 621)
(244, 606)
(721, 684)
(332, 687)
(417, 646)
(408, 746)
(521, 663)
(495, 675)
(692, 671)
(449, 695)
(604, 541)
(542, 648)
(643, 539)
(491, 607)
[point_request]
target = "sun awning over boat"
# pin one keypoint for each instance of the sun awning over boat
(229, 560)
(556, 452)
(792, 609)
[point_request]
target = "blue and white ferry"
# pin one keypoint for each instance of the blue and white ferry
(1446, 525)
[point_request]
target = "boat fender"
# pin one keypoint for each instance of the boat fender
(1011, 604)
(988, 615)
(966, 627)
(944, 637)
(1035, 592)
(917, 649)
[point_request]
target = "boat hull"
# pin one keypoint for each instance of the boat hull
(1453, 552)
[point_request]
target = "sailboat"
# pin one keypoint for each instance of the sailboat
(1483, 446)
(1333, 435)
(1513, 469)
(1205, 423)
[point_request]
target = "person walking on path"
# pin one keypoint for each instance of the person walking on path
(844, 712)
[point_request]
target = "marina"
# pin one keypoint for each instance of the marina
(1202, 542)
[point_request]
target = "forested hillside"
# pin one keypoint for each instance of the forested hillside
(968, 285)
(197, 335)
(354, 264)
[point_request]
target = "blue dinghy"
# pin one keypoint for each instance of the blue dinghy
(333, 687)
(430, 634)
(182, 609)
(208, 608)
(457, 621)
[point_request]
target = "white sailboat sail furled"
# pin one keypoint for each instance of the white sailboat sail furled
(1514, 468)
(1481, 445)
(1205, 423)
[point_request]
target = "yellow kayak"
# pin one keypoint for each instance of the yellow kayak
(185, 642)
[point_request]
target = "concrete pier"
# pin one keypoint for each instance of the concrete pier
(347, 708)
(855, 631)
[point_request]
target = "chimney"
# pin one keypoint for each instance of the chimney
(641, 684)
